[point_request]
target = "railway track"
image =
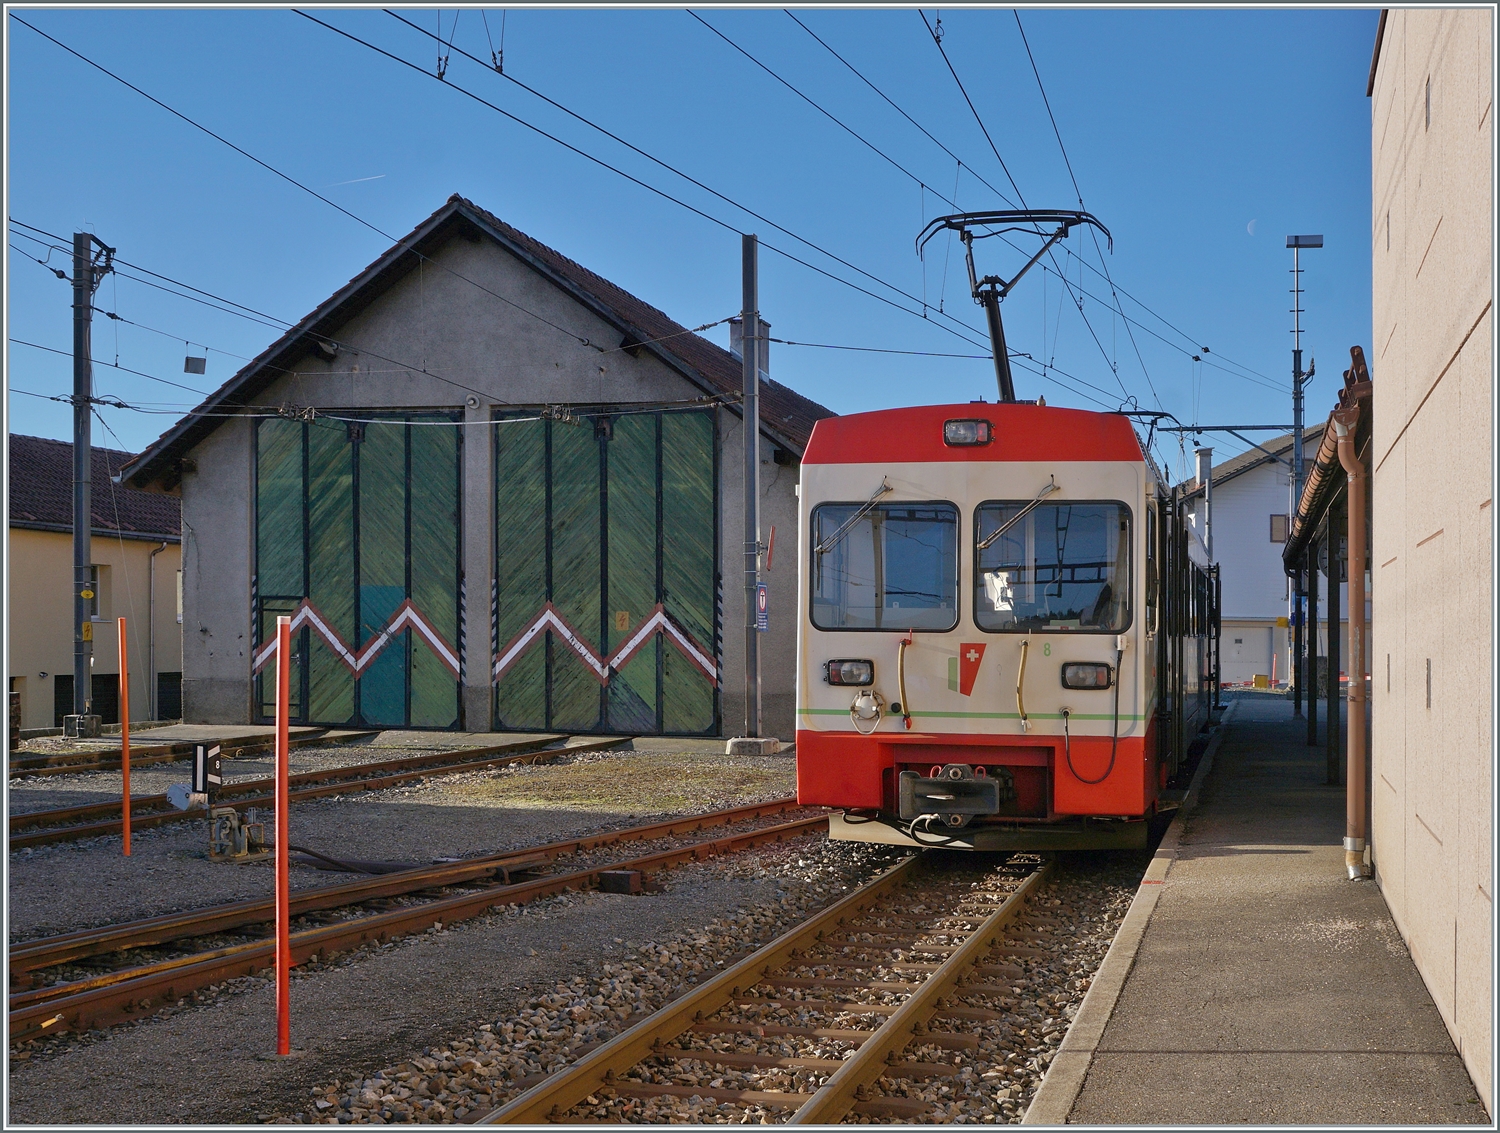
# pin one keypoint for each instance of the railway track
(457, 891)
(92, 820)
(841, 1016)
(23, 766)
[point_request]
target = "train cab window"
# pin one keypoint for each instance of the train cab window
(1062, 567)
(885, 567)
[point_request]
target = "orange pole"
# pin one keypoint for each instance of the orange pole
(125, 732)
(283, 837)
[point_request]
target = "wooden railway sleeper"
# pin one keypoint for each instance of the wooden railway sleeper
(876, 1055)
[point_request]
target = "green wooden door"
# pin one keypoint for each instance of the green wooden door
(605, 598)
(358, 539)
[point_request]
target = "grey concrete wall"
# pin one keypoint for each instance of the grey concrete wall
(1432, 452)
(435, 340)
(217, 541)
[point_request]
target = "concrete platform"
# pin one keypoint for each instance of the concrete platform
(1251, 983)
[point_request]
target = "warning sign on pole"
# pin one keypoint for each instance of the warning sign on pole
(762, 619)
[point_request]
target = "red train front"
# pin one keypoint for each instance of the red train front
(1003, 628)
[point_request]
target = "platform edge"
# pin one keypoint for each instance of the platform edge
(1054, 1099)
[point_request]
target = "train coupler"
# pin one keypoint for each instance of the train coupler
(954, 793)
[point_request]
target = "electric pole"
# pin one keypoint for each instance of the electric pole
(750, 357)
(89, 268)
(1295, 606)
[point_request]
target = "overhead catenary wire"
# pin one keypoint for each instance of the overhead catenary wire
(111, 365)
(859, 75)
(1079, 193)
(1115, 288)
(398, 241)
(676, 172)
(405, 367)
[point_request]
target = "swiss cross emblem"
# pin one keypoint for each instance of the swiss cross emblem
(969, 657)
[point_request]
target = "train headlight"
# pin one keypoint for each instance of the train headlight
(850, 672)
(971, 432)
(1087, 674)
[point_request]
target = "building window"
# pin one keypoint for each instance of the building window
(1278, 528)
(94, 586)
(179, 597)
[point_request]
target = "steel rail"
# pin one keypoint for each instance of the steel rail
(49, 951)
(162, 984)
(843, 1090)
(600, 1069)
(29, 819)
(336, 781)
(25, 766)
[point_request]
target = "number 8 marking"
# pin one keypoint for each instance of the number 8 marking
(1047, 649)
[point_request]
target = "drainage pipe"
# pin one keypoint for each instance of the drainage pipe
(1344, 422)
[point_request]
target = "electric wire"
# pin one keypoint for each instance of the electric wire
(1079, 193)
(111, 365)
(973, 172)
(686, 177)
(938, 43)
(400, 242)
(1115, 288)
(402, 366)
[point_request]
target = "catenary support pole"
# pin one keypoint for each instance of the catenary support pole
(83, 407)
(283, 836)
(750, 357)
(125, 733)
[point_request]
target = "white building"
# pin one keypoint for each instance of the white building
(1251, 501)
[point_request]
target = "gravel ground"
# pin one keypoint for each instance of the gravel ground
(1071, 924)
(365, 1014)
(75, 885)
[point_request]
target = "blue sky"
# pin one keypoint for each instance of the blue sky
(1200, 138)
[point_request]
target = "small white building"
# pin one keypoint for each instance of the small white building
(1251, 502)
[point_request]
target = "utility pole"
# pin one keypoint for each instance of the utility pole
(750, 357)
(1295, 606)
(88, 270)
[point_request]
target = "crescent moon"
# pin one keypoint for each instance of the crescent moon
(1250, 228)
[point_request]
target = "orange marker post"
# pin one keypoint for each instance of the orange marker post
(283, 837)
(125, 732)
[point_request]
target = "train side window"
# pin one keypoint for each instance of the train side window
(1063, 567)
(887, 567)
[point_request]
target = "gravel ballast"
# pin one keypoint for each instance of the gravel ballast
(440, 1025)
(75, 885)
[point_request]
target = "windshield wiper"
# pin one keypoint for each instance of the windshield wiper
(1047, 489)
(864, 509)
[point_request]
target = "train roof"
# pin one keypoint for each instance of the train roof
(1019, 430)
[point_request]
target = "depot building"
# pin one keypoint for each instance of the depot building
(493, 491)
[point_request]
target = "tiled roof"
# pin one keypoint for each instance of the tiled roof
(41, 493)
(786, 416)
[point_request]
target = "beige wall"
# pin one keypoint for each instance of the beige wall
(41, 615)
(1432, 569)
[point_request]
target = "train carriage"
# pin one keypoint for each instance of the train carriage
(1006, 628)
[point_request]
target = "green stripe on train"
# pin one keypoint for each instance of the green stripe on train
(983, 715)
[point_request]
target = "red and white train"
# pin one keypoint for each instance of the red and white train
(1007, 628)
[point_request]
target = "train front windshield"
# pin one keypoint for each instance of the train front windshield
(887, 566)
(1057, 567)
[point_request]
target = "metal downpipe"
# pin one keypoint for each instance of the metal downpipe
(1344, 422)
